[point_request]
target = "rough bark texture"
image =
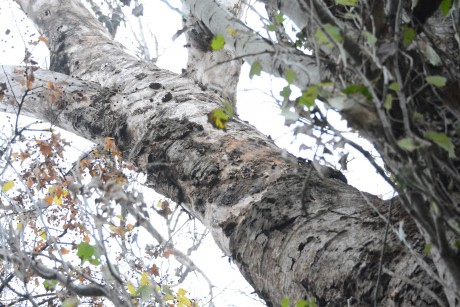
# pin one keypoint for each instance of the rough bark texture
(237, 182)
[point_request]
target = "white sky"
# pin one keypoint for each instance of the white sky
(254, 105)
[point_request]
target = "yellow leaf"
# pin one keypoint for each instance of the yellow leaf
(42, 233)
(232, 32)
(168, 297)
(131, 289)
(145, 279)
(218, 118)
(19, 226)
(57, 200)
(7, 185)
(130, 227)
(181, 292)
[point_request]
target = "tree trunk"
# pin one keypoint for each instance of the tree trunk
(290, 236)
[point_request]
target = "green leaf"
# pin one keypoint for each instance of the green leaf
(395, 86)
(145, 292)
(407, 144)
(285, 302)
(256, 68)
(427, 249)
(49, 284)
(228, 108)
(286, 92)
(445, 6)
(442, 141)
(346, 2)
(218, 118)
(308, 97)
(72, 301)
(270, 27)
(332, 31)
(430, 54)
(371, 39)
(357, 88)
(302, 303)
(280, 18)
(218, 42)
(408, 35)
(388, 104)
(87, 252)
(414, 4)
(438, 81)
(290, 76)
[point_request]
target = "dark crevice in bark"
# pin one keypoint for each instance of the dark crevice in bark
(59, 60)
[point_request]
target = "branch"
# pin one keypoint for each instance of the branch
(275, 59)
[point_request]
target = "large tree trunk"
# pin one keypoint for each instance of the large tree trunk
(291, 237)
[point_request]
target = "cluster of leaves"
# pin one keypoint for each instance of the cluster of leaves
(66, 218)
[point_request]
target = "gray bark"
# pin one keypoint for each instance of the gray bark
(321, 241)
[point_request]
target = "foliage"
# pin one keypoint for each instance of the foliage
(70, 228)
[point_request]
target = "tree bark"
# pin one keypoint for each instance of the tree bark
(291, 237)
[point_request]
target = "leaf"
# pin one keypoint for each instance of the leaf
(48, 199)
(285, 302)
(286, 92)
(7, 186)
(430, 54)
(181, 292)
(414, 4)
(42, 39)
(218, 118)
(168, 297)
(408, 35)
(346, 2)
(357, 88)
(427, 249)
(72, 301)
(145, 292)
(270, 27)
(309, 96)
(445, 6)
(371, 39)
(332, 31)
(388, 104)
(49, 285)
(218, 42)
(42, 234)
(438, 81)
(145, 281)
(407, 144)
(232, 32)
(87, 252)
(131, 289)
(302, 303)
(395, 86)
(290, 76)
(228, 108)
(256, 68)
(280, 18)
(442, 141)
